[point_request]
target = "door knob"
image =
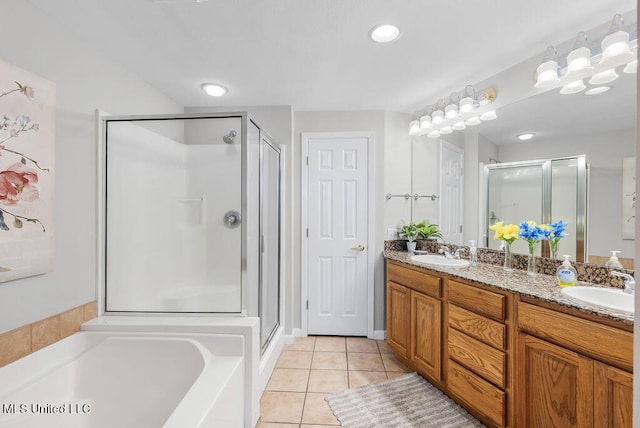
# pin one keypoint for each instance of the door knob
(358, 248)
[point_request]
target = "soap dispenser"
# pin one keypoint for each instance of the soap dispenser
(613, 261)
(473, 256)
(566, 273)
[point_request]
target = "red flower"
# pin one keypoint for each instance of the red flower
(18, 183)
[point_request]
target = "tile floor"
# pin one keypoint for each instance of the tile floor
(316, 365)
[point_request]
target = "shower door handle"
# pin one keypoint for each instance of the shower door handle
(232, 219)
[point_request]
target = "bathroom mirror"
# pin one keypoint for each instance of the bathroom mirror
(603, 128)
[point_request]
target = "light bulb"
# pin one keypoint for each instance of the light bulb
(603, 77)
(451, 111)
(414, 127)
(472, 121)
(490, 115)
(425, 121)
(631, 68)
(573, 87)
(458, 126)
(433, 134)
(466, 106)
(437, 117)
(446, 130)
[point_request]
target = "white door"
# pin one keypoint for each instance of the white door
(338, 245)
(451, 176)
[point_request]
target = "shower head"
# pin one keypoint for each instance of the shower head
(230, 137)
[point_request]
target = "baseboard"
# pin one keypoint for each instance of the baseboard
(290, 338)
(380, 334)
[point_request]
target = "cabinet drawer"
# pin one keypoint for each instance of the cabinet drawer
(419, 281)
(601, 342)
(481, 359)
(486, 401)
(477, 300)
(484, 329)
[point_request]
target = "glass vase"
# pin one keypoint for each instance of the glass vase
(508, 258)
(553, 247)
(531, 260)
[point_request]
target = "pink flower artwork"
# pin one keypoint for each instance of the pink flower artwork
(27, 136)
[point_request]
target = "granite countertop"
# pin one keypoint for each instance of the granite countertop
(543, 287)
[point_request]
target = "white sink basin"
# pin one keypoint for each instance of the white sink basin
(437, 260)
(613, 298)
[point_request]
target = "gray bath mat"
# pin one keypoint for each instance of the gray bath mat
(405, 402)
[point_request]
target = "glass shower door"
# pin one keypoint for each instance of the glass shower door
(173, 215)
(514, 195)
(270, 241)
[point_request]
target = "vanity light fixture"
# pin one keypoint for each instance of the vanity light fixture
(213, 89)
(384, 33)
(616, 43)
(547, 72)
(526, 136)
(595, 61)
(414, 127)
(579, 59)
(597, 90)
(467, 108)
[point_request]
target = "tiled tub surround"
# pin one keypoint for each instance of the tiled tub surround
(29, 338)
(542, 286)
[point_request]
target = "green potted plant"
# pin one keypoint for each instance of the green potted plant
(429, 230)
(413, 231)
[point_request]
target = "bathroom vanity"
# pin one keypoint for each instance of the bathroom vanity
(509, 348)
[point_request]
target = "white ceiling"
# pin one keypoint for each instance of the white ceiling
(316, 54)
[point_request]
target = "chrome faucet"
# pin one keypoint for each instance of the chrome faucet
(629, 282)
(447, 253)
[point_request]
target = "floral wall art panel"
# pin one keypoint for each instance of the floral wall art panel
(628, 197)
(27, 136)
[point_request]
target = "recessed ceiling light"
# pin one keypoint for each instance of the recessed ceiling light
(597, 90)
(213, 89)
(526, 136)
(384, 33)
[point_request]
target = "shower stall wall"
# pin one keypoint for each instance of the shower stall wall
(192, 217)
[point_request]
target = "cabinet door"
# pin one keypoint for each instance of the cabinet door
(555, 385)
(425, 350)
(613, 397)
(398, 314)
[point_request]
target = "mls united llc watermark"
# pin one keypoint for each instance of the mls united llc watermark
(46, 409)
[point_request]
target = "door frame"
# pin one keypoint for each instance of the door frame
(460, 151)
(304, 222)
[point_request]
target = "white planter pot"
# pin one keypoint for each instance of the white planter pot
(411, 246)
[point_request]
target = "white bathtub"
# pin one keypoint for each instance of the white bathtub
(257, 367)
(128, 379)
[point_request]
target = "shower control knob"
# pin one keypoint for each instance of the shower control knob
(232, 219)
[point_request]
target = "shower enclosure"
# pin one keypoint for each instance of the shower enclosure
(544, 191)
(192, 217)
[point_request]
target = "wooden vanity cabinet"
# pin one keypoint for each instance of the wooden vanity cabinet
(476, 372)
(414, 319)
(510, 360)
(572, 372)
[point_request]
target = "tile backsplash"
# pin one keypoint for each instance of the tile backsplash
(586, 271)
(24, 340)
